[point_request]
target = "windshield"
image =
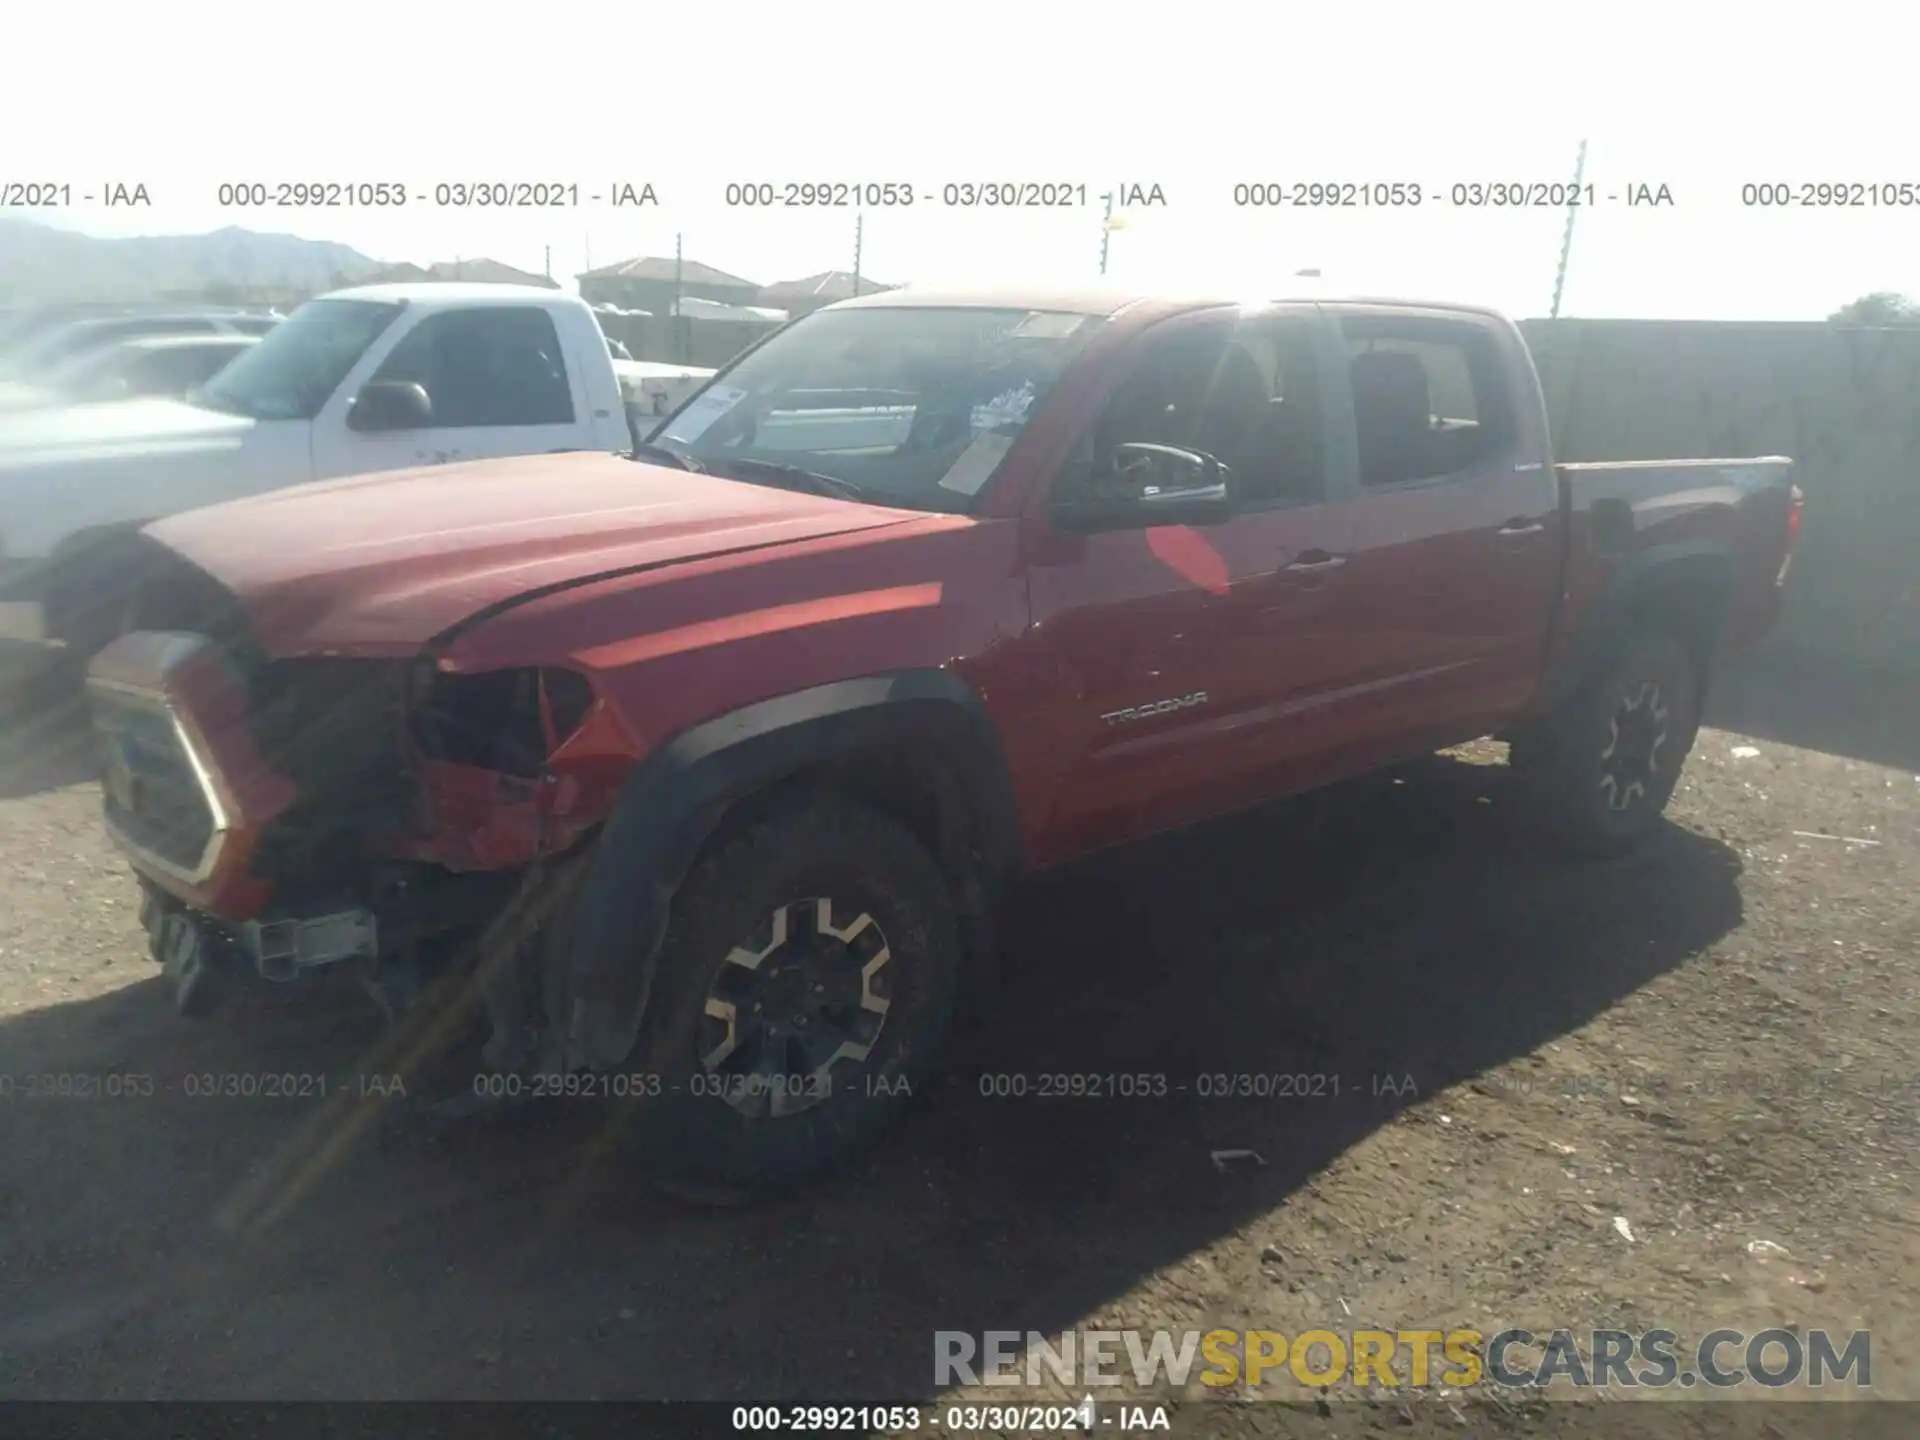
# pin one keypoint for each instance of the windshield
(120, 371)
(15, 329)
(300, 362)
(24, 332)
(89, 367)
(46, 351)
(915, 407)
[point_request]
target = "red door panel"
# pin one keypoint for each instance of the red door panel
(1182, 653)
(1456, 558)
(1193, 661)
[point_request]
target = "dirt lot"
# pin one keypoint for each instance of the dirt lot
(1713, 1041)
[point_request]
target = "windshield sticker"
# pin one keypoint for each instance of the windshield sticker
(1009, 407)
(977, 463)
(694, 421)
(1048, 325)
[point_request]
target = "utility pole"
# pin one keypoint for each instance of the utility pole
(859, 224)
(1106, 231)
(680, 336)
(547, 264)
(1566, 239)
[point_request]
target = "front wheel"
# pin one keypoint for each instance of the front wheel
(1601, 770)
(805, 988)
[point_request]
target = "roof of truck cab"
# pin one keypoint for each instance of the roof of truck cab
(1084, 300)
(451, 292)
(1108, 302)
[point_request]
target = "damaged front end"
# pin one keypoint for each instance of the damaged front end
(384, 819)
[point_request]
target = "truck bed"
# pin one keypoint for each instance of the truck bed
(1738, 512)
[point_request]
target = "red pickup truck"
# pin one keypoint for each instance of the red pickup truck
(708, 769)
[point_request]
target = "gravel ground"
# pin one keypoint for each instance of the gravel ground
(1707, 1045)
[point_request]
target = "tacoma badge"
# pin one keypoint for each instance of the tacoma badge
(1157, 707)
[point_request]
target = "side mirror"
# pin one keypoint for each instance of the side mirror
(1151, 485)
(390, 405)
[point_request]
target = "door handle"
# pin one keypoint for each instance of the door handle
(1520, 527)
(1315, 562)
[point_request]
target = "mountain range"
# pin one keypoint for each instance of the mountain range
(41, 263)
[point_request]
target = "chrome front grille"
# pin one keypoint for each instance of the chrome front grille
(157, 797)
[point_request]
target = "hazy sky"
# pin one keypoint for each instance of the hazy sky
(1196, 97)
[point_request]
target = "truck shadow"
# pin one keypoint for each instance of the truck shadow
(1397, 927)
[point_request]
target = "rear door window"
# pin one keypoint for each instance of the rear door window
(1429, 396)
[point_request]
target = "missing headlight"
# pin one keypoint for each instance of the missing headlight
(509, 721)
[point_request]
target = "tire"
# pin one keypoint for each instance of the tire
(1600, 771)
(711, 1133)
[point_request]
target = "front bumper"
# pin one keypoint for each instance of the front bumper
(284, 949)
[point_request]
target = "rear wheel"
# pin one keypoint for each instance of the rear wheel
(1601, 770)
(806, 985)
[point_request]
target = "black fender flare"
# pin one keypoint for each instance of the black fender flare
(72, 570)
(677, 796)
(1610, 616)
(96, 540)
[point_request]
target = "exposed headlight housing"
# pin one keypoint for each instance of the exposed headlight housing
(510, 721)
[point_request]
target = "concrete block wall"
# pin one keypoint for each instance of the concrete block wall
(1844, 403)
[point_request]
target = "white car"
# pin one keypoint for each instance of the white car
(653, 390)
(382, 377)
(33, 361)
(154, 365)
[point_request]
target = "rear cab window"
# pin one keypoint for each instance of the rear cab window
(1431, 397)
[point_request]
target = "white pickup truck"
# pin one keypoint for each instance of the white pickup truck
(383, 377)
(655, 389)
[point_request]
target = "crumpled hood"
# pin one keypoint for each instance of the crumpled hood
(381, 564)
